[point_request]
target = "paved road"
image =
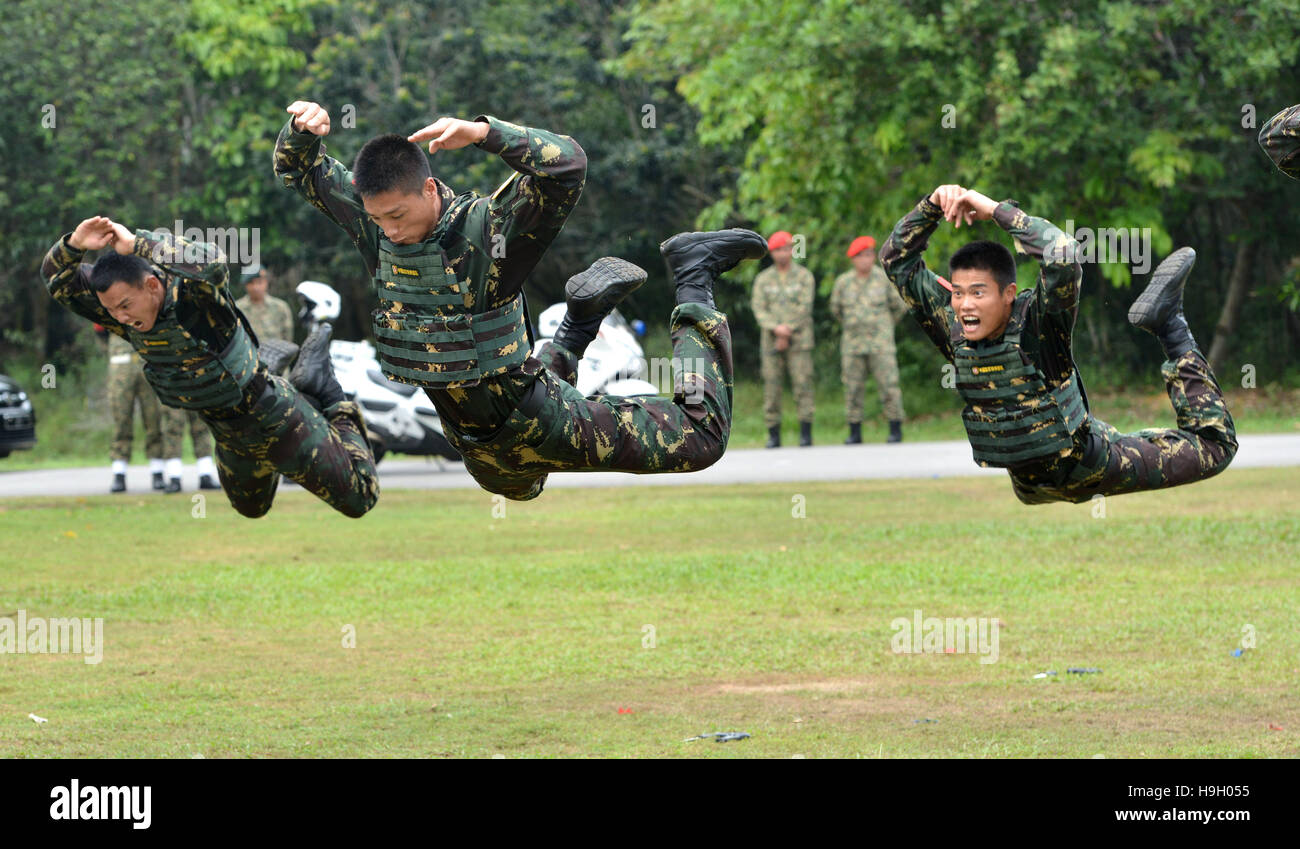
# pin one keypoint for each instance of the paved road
(818, 463)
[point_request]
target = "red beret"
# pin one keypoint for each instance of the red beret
(860, 244)
(779, 240)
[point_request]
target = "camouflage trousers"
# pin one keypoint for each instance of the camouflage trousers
(174, 421)
(775, 363)
(553, 428)
(883, 364)
(326, 454)
(127, 387)
(1107, 462)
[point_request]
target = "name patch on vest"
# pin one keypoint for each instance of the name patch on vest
(409, 272)
(155, 341)
(986, 369)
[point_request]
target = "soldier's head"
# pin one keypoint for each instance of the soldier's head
(862, 253)
(255, 284)
(129, 289)
(397, 188)
(983, 276)
(781, 248)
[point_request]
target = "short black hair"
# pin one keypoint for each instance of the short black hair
(986, 256)
(390, 162)
(115, 267)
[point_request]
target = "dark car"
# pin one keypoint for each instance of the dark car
(17, 420)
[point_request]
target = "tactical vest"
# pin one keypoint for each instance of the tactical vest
(185, 372)
(438, 340)
(1011, 417)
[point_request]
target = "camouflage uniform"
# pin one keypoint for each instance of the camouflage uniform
(867, 308)
(785, 299)
(514, 428)
(126, 386)
(272, 429)
(1280, 139)
(271, 319)
(174, 422)
(1103, 461)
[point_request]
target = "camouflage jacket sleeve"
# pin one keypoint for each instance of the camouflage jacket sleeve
(1280, 139)
(67, 279)
(903, 261)
(303, 165)
(200, 266)
(1058, 286)
(528, 211)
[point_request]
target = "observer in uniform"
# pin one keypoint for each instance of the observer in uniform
(867, 306)
(271, 317)
(127, 387)
(783, 306)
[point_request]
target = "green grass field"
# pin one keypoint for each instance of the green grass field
(524, 635)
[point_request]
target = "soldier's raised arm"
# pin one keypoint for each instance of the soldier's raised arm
(903, 261)
(1280, 139)
(67, 278)
(201, 265)
(528, 211)
(304, 166)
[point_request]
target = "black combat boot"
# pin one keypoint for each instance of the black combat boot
(119, 483)
(695, 260)
(313, 374)
(591, 295)
(895, 432)
(158, 481)
(206, 482)
(774, 436)
(1159, 309)
(855, 434)
(173, 486)
(276, 354)
(805, 434)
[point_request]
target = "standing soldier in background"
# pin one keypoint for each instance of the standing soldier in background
(174, 421)
(783, 303)
(271, 317)
(867, 306)
(126, 386)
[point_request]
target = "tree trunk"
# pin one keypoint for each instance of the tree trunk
(1238, 283)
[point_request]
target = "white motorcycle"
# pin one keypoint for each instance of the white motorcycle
(613, 364)
(401, 415)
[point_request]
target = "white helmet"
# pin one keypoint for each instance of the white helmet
(319, 301)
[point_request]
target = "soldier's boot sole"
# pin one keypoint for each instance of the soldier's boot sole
(594, 293)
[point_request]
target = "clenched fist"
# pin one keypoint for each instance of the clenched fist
(309, 117)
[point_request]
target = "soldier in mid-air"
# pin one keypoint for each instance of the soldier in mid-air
(449, 271)
(1026, 409)
(169, 298)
